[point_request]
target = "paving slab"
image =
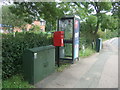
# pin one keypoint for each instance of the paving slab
(97, 71)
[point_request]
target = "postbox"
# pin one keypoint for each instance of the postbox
(58, 38)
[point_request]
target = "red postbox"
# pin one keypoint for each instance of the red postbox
(58, 38)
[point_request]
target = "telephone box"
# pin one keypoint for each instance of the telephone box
(58, 38)
(71, 27)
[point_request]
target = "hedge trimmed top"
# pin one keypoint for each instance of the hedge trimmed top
(13, 48)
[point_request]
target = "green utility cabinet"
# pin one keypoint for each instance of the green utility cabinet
(38, 63)
(98, 44)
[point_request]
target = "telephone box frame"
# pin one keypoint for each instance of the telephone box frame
(71, 41)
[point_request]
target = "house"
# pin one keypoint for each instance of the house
(4, 28)
(17, 29)
(40, 23)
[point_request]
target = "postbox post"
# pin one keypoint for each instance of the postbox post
(58, 42)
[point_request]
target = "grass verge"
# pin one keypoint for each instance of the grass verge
(88, 51)
(16, 81)
(62, 67)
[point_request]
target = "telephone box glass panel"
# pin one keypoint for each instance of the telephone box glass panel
(67, 27)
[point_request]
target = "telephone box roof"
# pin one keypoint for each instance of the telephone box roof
(70, 17)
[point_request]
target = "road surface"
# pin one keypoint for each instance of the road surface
(97, 71)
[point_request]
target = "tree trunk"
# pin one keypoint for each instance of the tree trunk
(95, 33)
(97, 27)
(97, 8)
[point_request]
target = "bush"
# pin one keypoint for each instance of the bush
(16, 81)
(88, 51)
(111, 34)
(13, 47)
(101, 34)
(86, 39)
(35, 28)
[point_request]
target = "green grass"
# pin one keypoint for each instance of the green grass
(16, 82)
(104, 39)
(88, 51)
(62, 67)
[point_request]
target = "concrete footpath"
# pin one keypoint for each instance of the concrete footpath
(97, 71)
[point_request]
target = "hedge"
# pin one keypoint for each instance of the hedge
(13, 47)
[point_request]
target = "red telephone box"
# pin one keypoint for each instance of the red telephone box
(58, 38)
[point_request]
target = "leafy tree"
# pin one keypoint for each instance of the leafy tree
(50, 11)
(99, 9)
(93, 13)
(10, 19)
(36, 10)
(116, 13)
(109, 22)
(74, 8)
(116, 9)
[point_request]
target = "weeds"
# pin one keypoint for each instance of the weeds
(16, 81)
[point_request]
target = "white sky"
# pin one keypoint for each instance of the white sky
(58, 0)
(109, 13)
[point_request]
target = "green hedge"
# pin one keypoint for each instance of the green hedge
(86, 38)
(13, 47)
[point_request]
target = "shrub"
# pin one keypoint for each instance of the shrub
(36, 28)
(101, 34)
(86, 39)
(16, 81)
(88, 51)
(111, 34)
(13, 47)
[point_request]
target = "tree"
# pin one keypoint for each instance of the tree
(109, 22)
(10, 19)
(99, 8)
(36, 10)
(116, 9)
(116, 13)
(51, 11)
(97, 19)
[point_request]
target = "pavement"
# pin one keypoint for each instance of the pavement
(97, 71)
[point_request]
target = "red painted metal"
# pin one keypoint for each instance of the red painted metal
(58, 38)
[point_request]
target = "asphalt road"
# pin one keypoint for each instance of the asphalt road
(97, 71)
